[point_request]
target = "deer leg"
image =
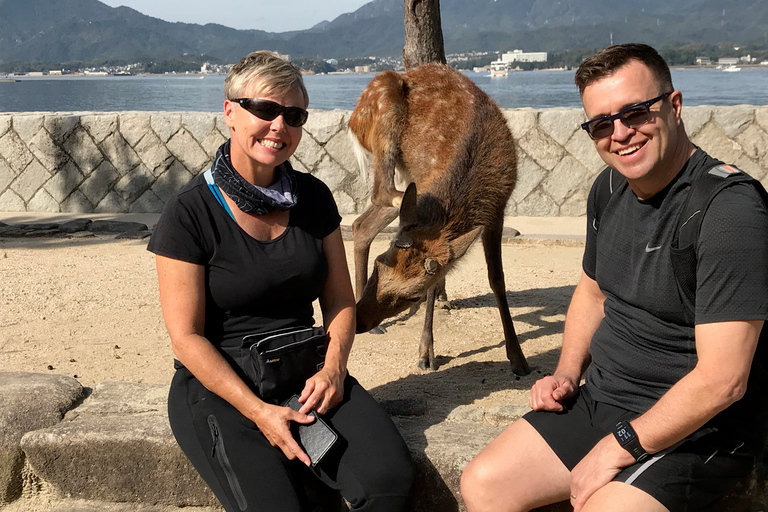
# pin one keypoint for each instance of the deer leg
(427, 343)
(384, 193)
(364, 230)
(492, 247)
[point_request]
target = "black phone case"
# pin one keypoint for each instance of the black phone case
(317, 438)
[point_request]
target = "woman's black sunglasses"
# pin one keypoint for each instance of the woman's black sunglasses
(268, 110)
(631, 117)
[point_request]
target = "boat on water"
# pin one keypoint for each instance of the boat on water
(499, 68)
(731, 69)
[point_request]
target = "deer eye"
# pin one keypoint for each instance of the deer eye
(431, 266)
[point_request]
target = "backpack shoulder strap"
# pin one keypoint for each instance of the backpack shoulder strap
(703, 190)
(216, 192)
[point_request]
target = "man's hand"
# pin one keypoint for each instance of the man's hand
(323, 391)
(548, 394)
(596, 469)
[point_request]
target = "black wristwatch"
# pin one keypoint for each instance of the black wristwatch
(627, 438)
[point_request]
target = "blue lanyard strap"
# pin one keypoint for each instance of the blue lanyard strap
(216, 192)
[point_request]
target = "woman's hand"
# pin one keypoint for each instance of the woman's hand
(274, 421)
(323, 391)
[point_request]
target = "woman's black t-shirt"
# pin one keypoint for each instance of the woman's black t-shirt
(251, 286)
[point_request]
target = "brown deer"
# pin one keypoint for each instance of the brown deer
(432, 129)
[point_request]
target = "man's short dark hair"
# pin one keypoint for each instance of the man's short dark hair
(608, 61)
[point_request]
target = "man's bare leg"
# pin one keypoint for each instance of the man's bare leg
(516, 472)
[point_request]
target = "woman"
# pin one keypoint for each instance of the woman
(247, 252)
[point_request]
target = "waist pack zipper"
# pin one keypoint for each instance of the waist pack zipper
(221, 455)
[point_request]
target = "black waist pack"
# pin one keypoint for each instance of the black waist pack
(279, 362)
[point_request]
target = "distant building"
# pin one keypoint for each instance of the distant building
(332, 62)
(363, 69)
(727, 61)
(35, 73)
(521, 56)
(55, 72)
(703, 61)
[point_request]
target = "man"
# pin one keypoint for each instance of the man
(651, 428)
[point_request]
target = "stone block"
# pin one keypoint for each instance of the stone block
(344, 203)
(561, 123)
(27, 125)
(76, 203)
(330, 173)
(61, 126)
(212, 143)
(10, 201)
(48, 153)
(199, 124)
(64, 181)
(520, 121)
(42, 202)
(147, 203)
(717, 143)
(537, 204)
(6, 175)
(131, 186)
(544, 151)
(15, 152)
(100, 126)
(529, 176)
(5, 124)
(112, 203)
(188, 152)
(165, 125)
(221, 125)
(30, 180)
(28, 401)
(118, 446)
(580, 146)
(134, 126)
(323, 125)
(99, 183)
(152, 152)
(733, 119)
(761, 118)
(575, 205)
(309, 153)
(341, 150)
(119, 153)
(83, 151)
(170, 181)
(566, 179)
(753, 141)
(695, 118)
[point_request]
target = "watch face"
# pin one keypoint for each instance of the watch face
(623, 435)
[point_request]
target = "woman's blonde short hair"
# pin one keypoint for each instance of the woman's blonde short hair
(268, 72)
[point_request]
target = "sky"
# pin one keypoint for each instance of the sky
(271, 16)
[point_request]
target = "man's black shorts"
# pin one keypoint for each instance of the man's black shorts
(687, 476)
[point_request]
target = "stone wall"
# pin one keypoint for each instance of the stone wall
(131, 162)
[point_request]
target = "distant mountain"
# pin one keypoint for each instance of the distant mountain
(84, 30)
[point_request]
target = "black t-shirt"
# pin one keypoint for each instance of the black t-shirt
(251, 286)
(643, 345)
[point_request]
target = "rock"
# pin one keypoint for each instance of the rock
(28, 401)
(113, 226)
(73, 226)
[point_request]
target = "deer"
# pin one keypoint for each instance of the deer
(444, 161)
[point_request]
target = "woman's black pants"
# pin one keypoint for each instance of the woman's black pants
(370, 465)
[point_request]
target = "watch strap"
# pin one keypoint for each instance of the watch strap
(627, 438)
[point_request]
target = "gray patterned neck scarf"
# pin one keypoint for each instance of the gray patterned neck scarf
(253, 198)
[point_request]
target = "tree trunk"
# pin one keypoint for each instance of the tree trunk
(423, 33)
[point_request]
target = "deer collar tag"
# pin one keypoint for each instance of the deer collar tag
(431, 266)
(404, 241)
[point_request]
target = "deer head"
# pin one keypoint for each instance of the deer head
(420, 255)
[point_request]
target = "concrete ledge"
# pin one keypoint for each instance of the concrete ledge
(115, 451)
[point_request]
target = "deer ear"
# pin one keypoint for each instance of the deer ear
(460, 245)
(408, 214)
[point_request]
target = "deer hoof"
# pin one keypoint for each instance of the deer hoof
(521, 370)
(378, 330)
(397, 201)
(425, 365)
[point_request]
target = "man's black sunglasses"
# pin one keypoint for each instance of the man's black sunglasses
(631, 117)
(268, 110)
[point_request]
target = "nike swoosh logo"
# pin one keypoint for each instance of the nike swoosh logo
(648, 248)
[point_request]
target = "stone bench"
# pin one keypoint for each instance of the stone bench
(113, 450)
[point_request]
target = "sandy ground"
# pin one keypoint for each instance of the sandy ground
(89, 309)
